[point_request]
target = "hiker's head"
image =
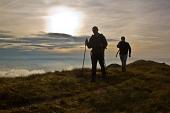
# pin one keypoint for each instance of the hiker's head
(123, 38)
(95, 29)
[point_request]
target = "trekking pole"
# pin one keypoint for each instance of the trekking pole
(84, 58)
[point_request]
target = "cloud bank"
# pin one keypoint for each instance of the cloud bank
(19, 72)
(51, 42)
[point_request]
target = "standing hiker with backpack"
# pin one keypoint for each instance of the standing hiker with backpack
(124, 48)
(98, 44)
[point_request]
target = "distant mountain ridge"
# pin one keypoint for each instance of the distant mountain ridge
(59, 34)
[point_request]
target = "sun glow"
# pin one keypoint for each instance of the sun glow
(63, 20)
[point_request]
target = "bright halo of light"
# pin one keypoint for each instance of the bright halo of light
(63, 20)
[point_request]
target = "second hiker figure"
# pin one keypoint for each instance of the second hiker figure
(98, 43)
(124, 48)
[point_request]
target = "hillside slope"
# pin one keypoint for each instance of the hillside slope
(144, 88)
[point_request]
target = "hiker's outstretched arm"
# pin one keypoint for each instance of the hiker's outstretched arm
(117, 53)
(129, 51)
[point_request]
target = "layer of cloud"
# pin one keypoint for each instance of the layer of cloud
(19, 72)
(52, 42)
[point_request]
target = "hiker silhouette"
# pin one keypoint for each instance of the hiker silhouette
(98, 44)
(124, 48)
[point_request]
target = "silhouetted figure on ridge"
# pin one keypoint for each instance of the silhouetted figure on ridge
(124, 47)
(98, 44)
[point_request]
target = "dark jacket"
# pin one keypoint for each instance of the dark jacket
(98, 44)
(124, 47)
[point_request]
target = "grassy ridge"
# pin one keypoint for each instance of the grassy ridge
(144, 88)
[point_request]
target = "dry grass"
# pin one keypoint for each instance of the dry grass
(144, 88)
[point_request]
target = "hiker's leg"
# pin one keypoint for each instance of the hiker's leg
(125, 59)
(102, 65)
(122, 61)
(94, 65)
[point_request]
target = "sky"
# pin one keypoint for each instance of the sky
(25, 24)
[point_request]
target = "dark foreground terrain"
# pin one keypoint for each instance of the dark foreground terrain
(144, 88)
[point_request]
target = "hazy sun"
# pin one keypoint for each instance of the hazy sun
(63, 20)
